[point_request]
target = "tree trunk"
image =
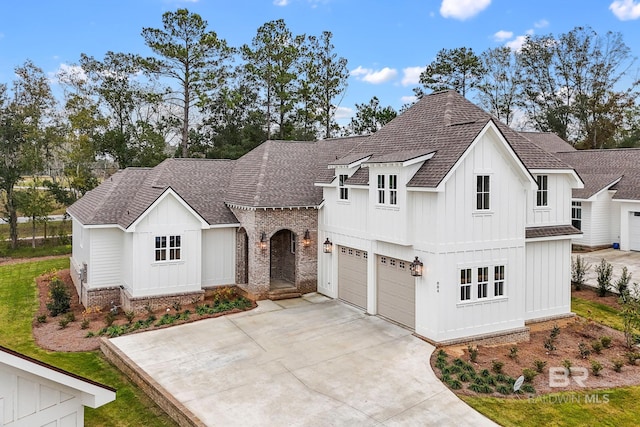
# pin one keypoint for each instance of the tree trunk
(185, 122)
(33, 231)
(13, 218)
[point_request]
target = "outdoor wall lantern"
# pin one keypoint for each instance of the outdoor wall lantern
(327, 246)
(306, 240)
(416, 267)
(263, 241)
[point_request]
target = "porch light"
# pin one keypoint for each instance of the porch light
(263, 241)
(327, 246)
(306, 240)
(416, 267)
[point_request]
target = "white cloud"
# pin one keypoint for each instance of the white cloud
(543, 23)
(281, 2)
(410, 99)
(411, 75)
(502, 35)
(67, 73)
(625, 10)
(343, 113)
(516, 44)
(462, 9)
(374, 77)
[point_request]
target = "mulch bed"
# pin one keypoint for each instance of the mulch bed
(72, 338)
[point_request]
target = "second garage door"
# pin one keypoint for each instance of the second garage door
(396, 291)
(352, 276)
(634, 231)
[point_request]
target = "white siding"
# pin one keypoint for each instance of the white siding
(348, 216)
(614, 217)
(586, 226)
(600, 220)
(126, 262)
(218, 256)
(28, 400)
(558, 209)
(103, 269)
(168, 218)
(548, 281)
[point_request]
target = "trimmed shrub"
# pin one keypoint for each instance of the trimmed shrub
(59, 297)
(539, 365)
(529, 374)
(496, 366)
(604, 270)
(579, 269)
(605, 341)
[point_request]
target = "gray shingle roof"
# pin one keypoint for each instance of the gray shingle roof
(548, 141)
(599, 169)
(445, 123)
(551, 231)
(122, 198)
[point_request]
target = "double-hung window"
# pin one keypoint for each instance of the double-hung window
(482, 192)
(381, 181)
(576, 215)
(498, 280)
(542, 193)
(465, 284)
(393, 189)
(168, 248)
(483, 281)
(344, 191)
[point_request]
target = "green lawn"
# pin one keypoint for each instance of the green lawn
(18, 304)
(570, 408)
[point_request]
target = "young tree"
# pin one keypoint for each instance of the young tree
(36, 204)
(498, 86)
(370, 117)
(196, 59)
(459, 69)
(24, 119)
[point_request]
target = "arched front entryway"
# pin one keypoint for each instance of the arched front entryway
(282, 261)
(242, 256)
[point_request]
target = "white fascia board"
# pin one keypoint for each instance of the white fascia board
(550, 238)
(225, 225)
(438, 189)
(625, 200)
(507, 147)
(577, 180)
(419, 159)
(104, 226)
(169, 191)
(350, 165)
(606, 188)
(324, 184)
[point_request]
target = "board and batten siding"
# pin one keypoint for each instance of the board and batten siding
(167, 218)
(586, 226)
(218, 256)
(104, 265)
(558, 209)
(600, 220)
(346, 216)
(548, 281)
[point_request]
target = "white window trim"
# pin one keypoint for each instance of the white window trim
(342, 188)
(576, 207)
(386, 191)
(543, 192)
(167, 249)
(477, 211)
(491, 297)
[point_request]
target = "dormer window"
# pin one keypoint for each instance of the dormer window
(393, 189)
(388, 189)
(381, 180)
(542, 193)
(344, 191)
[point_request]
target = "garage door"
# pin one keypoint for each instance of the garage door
(352, 276)
(634, 231)
(396, 291)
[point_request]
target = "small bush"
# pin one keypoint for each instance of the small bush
(129, 315)
(440, 364)
(549, 345)
(496, 366)
(442, 353)
(455, 385)
(42, 318)
(631, 357)
(59, 297)
(604, 270)
(617, 365)
(596, 367)
(84, 324)
(176, 305)
(479, 381)
(148, 308)
(464, 377)
(90, 335)
(63, 322)
(70, 316)
(555, 331)
(528, 388)
(539, 365)
(622, 284)
(485, 373)
(529, 374)
(503, 389)
(481, 388)
(458, 362)
(597, 347)
(502, 378)
(468, 368)
(513, 353)
(567, 365)
(109, 318)
(605, 341)
(583, 350)
(579, 269)
(473, 353)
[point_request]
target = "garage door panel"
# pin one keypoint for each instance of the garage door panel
(634, 231)
(396, 291)
(352, 276)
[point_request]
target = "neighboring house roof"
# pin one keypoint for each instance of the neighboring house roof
(95, 394)
(127, 194)
(548, 141)
(615, 169)
(445, 123)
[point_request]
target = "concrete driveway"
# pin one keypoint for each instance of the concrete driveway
(309, 361)
(617, 259)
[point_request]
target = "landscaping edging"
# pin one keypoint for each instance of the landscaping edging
(176, 410)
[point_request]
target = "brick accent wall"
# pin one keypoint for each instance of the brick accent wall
(139, 304)
(503, 337)
(270, 221)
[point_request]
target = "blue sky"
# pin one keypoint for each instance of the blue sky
(386, 42)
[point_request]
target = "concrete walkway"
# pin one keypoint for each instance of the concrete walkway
(307, 361)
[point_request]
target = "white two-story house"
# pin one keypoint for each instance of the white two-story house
(485, 210)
